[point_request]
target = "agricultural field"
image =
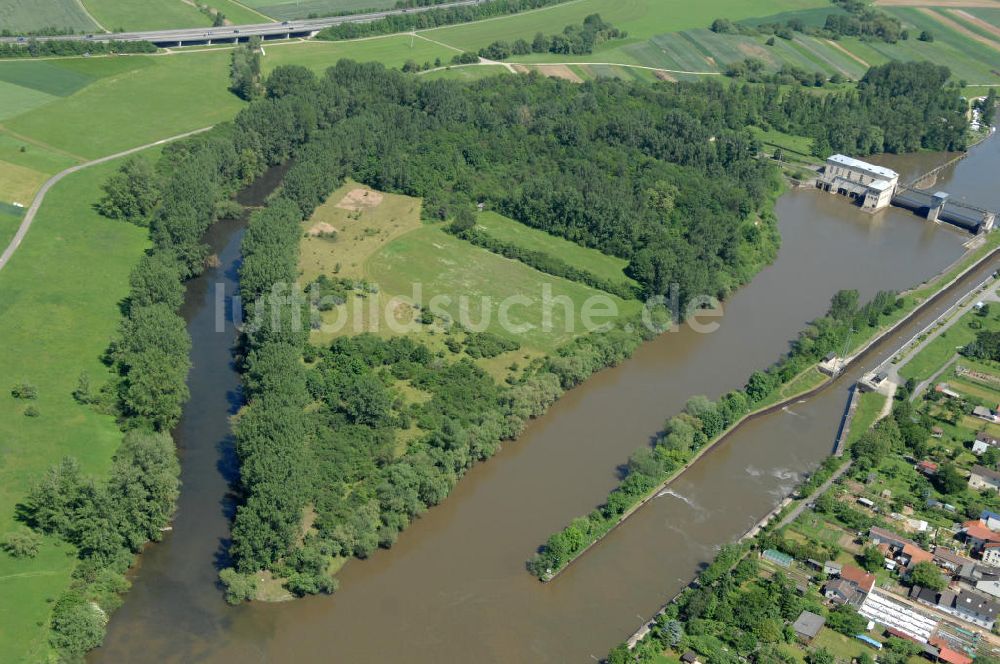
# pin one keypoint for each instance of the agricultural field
(55, 324)
(294, 9)
(166, 14)
(33, 15)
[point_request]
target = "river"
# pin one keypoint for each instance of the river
(454, 588)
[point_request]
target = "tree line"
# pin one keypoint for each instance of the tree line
(432, 18)
(574, 39)
(34, 48)
(857, 19)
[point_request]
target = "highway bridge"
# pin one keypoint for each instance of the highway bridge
(240, 33)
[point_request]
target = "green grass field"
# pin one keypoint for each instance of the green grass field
(32, 15)
(934, 356)
(445, 265)
(293, 9)
(870, 404)
(146, 14)
(591, 260)
(58, 312)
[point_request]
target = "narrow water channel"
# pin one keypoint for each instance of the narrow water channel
(454, 589)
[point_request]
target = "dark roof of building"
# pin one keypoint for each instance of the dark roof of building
(976, 605)
(689, 656)
(950, 556)
(985, 472)
(808, 624)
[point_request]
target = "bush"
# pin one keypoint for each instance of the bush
(239, 587)
(24, 391)
(22, 544)
(31, 411)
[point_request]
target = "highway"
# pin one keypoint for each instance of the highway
(234, 33)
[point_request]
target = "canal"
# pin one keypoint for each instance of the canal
(454, 588)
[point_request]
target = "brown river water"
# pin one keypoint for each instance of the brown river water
(454, 587)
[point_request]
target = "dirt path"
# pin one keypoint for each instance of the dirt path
(91, 16)
(976, 21)
(861, 61)
(518, 66)
(29, 216)
(958, 27)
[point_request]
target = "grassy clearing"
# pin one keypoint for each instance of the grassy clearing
(17, 99)
(19, 183)
(58, 311)
(584, 258)
(23, 169)
(392, 51)
(934, 356)
(870, 404)
(787, 142)
(293, 9)
(363, 223)
(387, 244)
(29, 15)
(146, 14)
(471, 73)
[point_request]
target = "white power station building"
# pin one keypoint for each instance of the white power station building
(871, 186)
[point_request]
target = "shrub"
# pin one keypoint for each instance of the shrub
(24, 391)
(22, 544)
(239, 587)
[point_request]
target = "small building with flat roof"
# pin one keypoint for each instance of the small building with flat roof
(807, 626)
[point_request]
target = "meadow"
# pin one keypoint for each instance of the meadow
(58, 312)
(167, 14)
(294, 9)
(593, 261)
(31, 15)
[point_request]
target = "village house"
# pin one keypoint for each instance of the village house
(945, 389)
(949, 560)
(983, 442)
(984, 413)
(991, 554)
(948, 655)
(928, 468)
(978, 535)
(807, 626)
(968, 606)
(989, 584)
(899, 549)
(984, 478)
(990, 519)
(851, 588)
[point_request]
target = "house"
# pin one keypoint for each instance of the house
(777, 557)
(969, 606)
(807, 626)
(984, 413)
(928, 468)
(984, 478)
(899, 549)
(991, 554)
(690, 658)
(832, 568)
(946, 654)
(976, 609)
(990, 519)
(840, 591)
(949, 560)
(978, 535)
(857, 576)
(989, 584)
(936, 432)
(945, 389)
(983, 442)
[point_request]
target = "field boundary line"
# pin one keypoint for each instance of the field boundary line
(434, 41)
(505, 16)
(40, 144)
(91, 16)
(252, 10)
(29, 216)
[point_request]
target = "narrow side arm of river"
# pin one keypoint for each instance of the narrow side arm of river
(454, 587)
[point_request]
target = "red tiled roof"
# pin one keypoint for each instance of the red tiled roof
(977, 530)
(916, 554)
(953, 657)
(858, 577)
